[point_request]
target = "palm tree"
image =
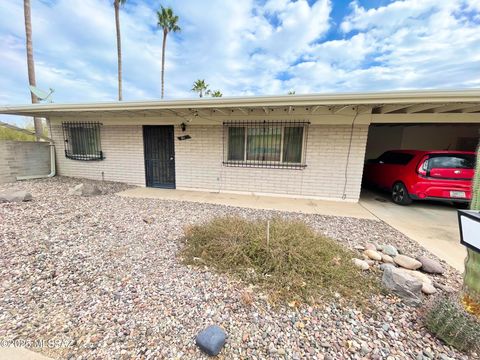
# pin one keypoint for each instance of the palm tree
(200, 87)
(30, 63)
(215, 93)
(116, 5)
(168, 21)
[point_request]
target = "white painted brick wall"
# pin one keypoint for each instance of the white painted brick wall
(123, 150)
(198, 162)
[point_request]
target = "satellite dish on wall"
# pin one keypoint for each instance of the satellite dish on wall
(41, 94)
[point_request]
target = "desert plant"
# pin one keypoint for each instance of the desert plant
(446, 318)
(471, 278)
(285, 257)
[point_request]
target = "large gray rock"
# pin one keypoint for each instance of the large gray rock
(431, 266)
(403, 285)
(14, 195)
(85, 190)
(390, 250)
(407, 262)
(211, 340)
(423, 278)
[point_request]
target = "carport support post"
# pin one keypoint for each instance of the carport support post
(471, 279)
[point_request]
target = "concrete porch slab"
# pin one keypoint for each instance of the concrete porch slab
(308, 206)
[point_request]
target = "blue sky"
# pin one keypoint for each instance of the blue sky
(242, 47)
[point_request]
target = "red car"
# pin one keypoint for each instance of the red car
(423, 175)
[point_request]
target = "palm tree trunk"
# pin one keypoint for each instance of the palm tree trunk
(30, 64)
(119, 49)
(163, 60)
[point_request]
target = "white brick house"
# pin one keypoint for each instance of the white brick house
(298, 146)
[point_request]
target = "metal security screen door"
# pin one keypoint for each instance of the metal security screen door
(159, 156)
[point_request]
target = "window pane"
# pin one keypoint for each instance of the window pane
(292, 144)
(460, 161)
(264, 143)
(84, 141)
(236, 143)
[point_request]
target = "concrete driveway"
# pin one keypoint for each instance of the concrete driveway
(433, 225)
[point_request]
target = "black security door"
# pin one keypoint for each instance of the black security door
(159, 156)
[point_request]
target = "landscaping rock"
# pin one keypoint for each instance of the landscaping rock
(142, 301)
(431, 266)
(390, 250)
(361, 264)
(428, 289)
(387, 259)
(15, 196)
(418, 275)
(403, 285)
(85, 190)
(407, 262)
(371, 246)
(373, 254)
(211, 340)
(359, 247)
(385, 266)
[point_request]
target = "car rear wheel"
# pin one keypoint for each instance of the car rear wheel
(400, 194)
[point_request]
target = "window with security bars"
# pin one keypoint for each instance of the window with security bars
(82, 140)
(265, 144)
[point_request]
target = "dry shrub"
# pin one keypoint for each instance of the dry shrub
(446, 318)
(295, 263)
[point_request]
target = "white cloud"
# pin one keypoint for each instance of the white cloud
(241, 47)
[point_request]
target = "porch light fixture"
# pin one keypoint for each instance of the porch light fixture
(183, 126)
(469, 224)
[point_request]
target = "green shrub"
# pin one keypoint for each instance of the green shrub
(295, 263)
(447, 319)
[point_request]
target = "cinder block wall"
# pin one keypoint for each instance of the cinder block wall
(198, 162)
(23, 158)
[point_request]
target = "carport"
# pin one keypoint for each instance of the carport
(424, 126)
(415, 136)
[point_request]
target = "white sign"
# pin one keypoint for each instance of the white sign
(469, 222)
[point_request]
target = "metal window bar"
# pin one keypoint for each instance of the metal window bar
(266, 144)
(82, 140)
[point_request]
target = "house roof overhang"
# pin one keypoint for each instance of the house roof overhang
(399, 102)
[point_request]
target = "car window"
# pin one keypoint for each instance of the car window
(395, 158)
(457, 161)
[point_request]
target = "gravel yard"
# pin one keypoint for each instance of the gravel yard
(101, 274)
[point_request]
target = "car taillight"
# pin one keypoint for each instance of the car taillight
(422, 169)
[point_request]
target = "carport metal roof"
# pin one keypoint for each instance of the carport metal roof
(400, 102)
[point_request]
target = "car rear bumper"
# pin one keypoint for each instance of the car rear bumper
(460, 191)
(459, 200)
